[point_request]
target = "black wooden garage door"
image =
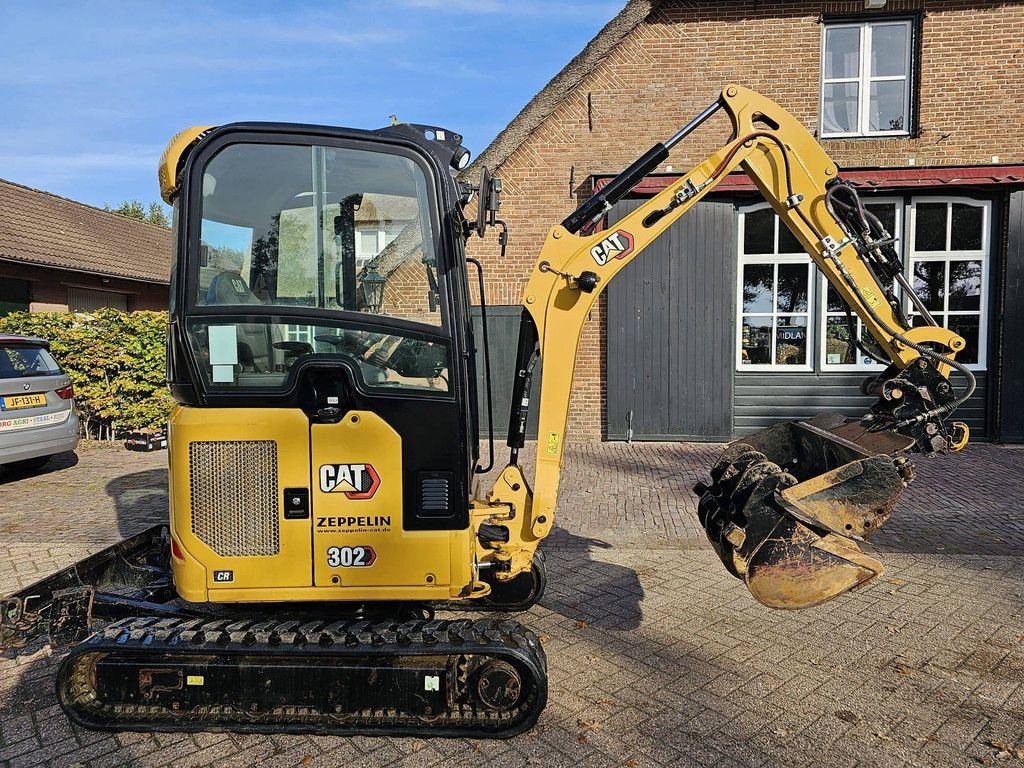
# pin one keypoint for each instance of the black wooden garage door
(671, 331)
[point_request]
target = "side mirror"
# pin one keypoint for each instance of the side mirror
(482, 196)
(488, 201)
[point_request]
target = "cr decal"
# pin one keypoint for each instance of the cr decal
(356, 481)
(617, 245)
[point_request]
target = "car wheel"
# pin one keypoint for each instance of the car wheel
(28, 465)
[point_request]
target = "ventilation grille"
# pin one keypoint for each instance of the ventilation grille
(434, 496)
(234, 496)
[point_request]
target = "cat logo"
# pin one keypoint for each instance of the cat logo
(356, 481)
(617, 245)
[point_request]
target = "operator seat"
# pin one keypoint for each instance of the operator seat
(255, 340)
(229, 287)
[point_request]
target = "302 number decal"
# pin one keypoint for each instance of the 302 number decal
(350, 557)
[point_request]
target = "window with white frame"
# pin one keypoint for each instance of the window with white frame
(949, 265)
(370, 241)
(947, 252)
(866, 78)
(838, 350)
(302, 333)
(775, 294)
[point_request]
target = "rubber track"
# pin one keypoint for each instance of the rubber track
(493, 638)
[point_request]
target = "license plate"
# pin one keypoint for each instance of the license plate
(11, 402)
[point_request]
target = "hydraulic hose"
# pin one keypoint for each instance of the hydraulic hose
(863, 218)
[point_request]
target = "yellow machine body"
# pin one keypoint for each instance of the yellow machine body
(574, 267)
(232, 464)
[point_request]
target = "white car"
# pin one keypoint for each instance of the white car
(37, 406)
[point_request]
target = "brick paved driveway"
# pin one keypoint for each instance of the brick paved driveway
(657, 656)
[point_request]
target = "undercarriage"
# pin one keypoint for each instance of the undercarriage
(484, 678)
(383, 668)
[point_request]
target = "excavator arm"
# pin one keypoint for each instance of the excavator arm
(787, 506)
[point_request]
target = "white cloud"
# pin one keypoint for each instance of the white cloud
(321, 36)
(463, 6)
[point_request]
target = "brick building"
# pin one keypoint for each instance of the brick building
(58, 254)
(724, 325)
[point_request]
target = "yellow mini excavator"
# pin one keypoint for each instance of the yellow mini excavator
(324, 448)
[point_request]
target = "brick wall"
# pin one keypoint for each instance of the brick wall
(406, 292)
(48, 288)
(672, 65)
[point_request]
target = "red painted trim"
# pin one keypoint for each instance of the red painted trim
(374, 485)
(874, 178)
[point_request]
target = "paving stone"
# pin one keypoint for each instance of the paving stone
(674, 665)
(28, 745)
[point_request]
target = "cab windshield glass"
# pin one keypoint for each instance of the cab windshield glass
(322, 227)
(331, 230)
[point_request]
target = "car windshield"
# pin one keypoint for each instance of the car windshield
(22, 360)
(321, 227)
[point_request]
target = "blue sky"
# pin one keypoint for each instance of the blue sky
(90, 92)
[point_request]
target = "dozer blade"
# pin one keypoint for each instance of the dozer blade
(787, 506)
(128, 577)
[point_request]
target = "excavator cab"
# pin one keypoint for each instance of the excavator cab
(322, 357)
(320, 249)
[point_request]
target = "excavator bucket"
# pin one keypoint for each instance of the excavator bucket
(787, 506)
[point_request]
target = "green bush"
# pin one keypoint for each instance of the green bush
(115, 360)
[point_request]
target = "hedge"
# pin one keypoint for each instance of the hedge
(115, 360)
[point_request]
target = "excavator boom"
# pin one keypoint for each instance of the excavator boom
(787, 506)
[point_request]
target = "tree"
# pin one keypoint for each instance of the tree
(134, 209)
(116, 360)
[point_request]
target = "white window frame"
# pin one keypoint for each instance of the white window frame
(984, 255)
(363, 258)
(827, 367)
(775, 259)
(299, 333)
(864, 78)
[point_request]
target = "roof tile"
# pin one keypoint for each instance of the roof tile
(38, 227)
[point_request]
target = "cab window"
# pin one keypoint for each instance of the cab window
(322, 227)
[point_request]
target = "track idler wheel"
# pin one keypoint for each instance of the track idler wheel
(786, 507)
